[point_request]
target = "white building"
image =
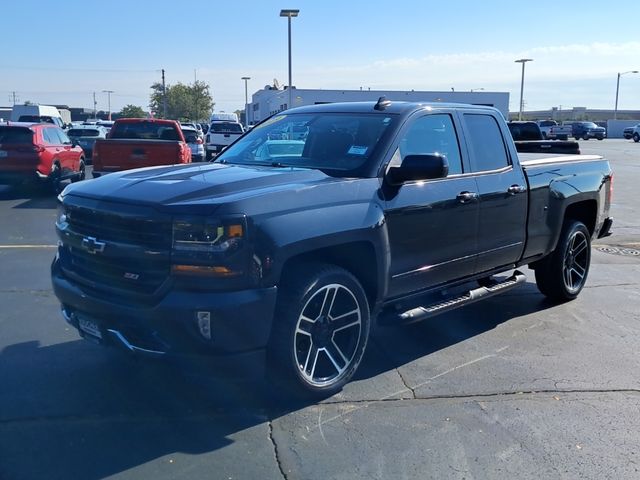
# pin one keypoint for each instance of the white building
(268, 101)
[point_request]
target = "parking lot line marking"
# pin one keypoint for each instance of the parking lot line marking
(28, 246)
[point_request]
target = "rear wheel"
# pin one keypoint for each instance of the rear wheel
(562, 275)
(636, 137)
(320, 330)
(54, 178)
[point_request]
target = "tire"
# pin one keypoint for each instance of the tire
(82, 173)
(320, 330)
(636, 137)
(600, 138)
(562, 275)
(576, 138)
(54, 178)
(585, 137)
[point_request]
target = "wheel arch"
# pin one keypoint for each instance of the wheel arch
(357, 257)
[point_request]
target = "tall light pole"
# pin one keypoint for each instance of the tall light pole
(108, 92)
(522, 61)
(289, 13)
(615, 110)
(246, 101)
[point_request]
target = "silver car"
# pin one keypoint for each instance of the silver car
(86, 136)
(195, 143)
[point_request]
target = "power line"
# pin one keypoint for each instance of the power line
(76, 69)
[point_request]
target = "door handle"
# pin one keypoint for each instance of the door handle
(513, 189)
(464, 197)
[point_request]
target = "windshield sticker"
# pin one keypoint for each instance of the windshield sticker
(270, 121)
(357, 150)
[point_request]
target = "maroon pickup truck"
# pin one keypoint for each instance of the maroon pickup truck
(140, 142)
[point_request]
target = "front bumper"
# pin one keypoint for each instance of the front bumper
(240, 321)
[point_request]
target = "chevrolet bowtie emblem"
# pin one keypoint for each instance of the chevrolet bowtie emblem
(93, 245)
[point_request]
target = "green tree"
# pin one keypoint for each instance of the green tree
(132, 111)
(184, 102)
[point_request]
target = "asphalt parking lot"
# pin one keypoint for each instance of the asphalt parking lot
(512, 387)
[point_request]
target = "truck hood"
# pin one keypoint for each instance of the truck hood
(197, 188)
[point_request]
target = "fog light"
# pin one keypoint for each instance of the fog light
(204, 324)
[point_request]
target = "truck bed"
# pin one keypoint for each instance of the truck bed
(122, 154)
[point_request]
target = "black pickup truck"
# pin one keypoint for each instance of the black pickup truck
(288, 250)
(528, 139)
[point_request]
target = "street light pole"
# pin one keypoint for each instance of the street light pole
(289, 13)
(108, 92)
(246, 101)
(615, 110)
(522, 61)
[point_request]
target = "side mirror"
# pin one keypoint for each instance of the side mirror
(418, 167)
(75, 142)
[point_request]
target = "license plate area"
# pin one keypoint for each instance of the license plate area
(89, 327)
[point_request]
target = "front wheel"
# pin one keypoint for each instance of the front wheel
(320, 330)
(562, 275)
(636, 137)
(82, 173)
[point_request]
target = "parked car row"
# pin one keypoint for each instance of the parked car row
(632, 132)
(39, 153)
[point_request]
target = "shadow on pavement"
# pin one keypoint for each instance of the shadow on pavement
(34, 196)
(104, 413)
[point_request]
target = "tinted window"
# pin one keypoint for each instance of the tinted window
(525, 131)
(433, 134)
(15, 135)
(82, 132)
(144, 130)
(485, 139)
(225, 127)
(547, 123)
(190, 136)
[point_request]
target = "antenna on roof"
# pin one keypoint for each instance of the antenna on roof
(382, 103)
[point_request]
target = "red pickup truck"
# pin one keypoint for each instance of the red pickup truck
(140, 142)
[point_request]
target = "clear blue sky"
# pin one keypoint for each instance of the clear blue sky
(60, 52)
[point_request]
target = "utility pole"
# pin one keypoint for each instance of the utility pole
(95, 106)
(164, 96)
(196, 94)
(108, 92)
(13, 94)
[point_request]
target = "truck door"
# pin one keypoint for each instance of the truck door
(502, 189)
(432, 225)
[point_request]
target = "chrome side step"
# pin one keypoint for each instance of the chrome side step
(423, 312)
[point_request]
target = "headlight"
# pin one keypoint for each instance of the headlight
(203, 235)
(61, 217)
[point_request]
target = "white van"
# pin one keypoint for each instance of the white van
(224, 129)
(37, 114)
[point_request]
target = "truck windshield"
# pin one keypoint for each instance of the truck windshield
(334, 142)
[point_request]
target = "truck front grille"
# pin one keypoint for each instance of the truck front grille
(110, 226)
(134, 267)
